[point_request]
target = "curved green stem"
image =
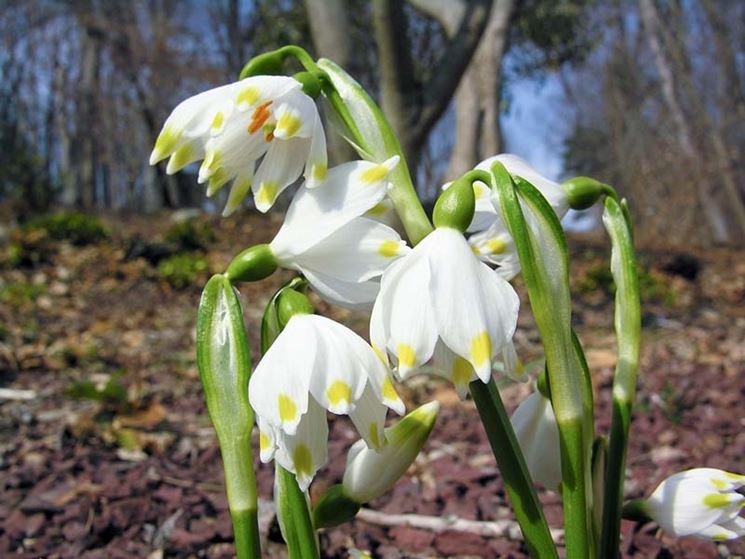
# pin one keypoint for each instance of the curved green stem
(515, 474)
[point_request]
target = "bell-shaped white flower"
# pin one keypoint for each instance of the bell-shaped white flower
(538, 434)
(325, 238)
(702, 502)
(317, 364)
(233, 126)
(491, 241)
(370, 473)
(439, 299)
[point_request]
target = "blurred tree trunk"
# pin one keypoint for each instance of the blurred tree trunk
(414, 107)
(709, 203)
(86, 129)
(329, 28)
(478, 133)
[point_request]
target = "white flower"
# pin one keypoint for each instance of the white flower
(702, 502)
(316, 363)
(491, 240)
(440, 300)
(370, 473)
(231, 127)
(323, 236)
(538, 434)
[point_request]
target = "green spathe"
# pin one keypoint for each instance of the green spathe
(335, 507)
(224, 369)
(253, 264)
(455, 206)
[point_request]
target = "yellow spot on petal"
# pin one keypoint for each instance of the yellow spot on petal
(287, 408)
(218, 179)
(167, 141)
(374, 435)
(479, 189)
(481, 349)
(496, 246)
(267, 193)
(406, 356)
(374, 174)
(734, 477)
(339, 392)
(378, 209)
(302, 460)
(389, 248)
(218, 121)
(264, 441)
(389, 392)
(248, 95)
(476, 250)
(719, 483)
(212, 160)
(462, 371)
(289, 124)
(318, 171)
(720, 537)
(718, 500)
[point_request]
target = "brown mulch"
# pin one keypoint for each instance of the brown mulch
(137, 474)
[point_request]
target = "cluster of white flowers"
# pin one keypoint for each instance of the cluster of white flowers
(446, 301)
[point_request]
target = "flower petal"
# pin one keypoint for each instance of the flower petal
(368, 417)
(296, 115)
(536, 431)
(350, 295)
(306, 452)
(241, 186)
(339, 376)
(349, 191)
(406, 312)
(267, 439)
(316, 168)
(278, 389)
(280, 167)
(358, 251)
(454, 368)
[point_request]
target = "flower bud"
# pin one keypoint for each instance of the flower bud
(583, 192)
(536, 431)
(371, 473)
(455, 206)
(702, 502)
(253, 264)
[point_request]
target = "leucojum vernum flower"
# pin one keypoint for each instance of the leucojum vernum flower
(440, 301)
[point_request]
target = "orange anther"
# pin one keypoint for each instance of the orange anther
(259, 117)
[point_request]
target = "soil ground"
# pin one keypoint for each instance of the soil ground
(112, 454)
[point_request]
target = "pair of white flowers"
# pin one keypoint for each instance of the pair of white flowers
(437, 301)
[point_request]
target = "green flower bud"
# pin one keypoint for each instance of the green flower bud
(265, 64)
(253, 264)
(335, 507)
(583, 192)
(370, 473)
(455, 206)
(311, 83)
(290, 303)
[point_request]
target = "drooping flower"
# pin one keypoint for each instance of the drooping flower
(325, 237)
(317, 364)
(370, 473)
(538, 434)
(702, 502)
(491, 241)
(231, 127)
(440, 300)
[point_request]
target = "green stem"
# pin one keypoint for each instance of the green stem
(240, 486)
(246, 533)
(374, 139)
(628, 334)
(296, 524)
(514, 471)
